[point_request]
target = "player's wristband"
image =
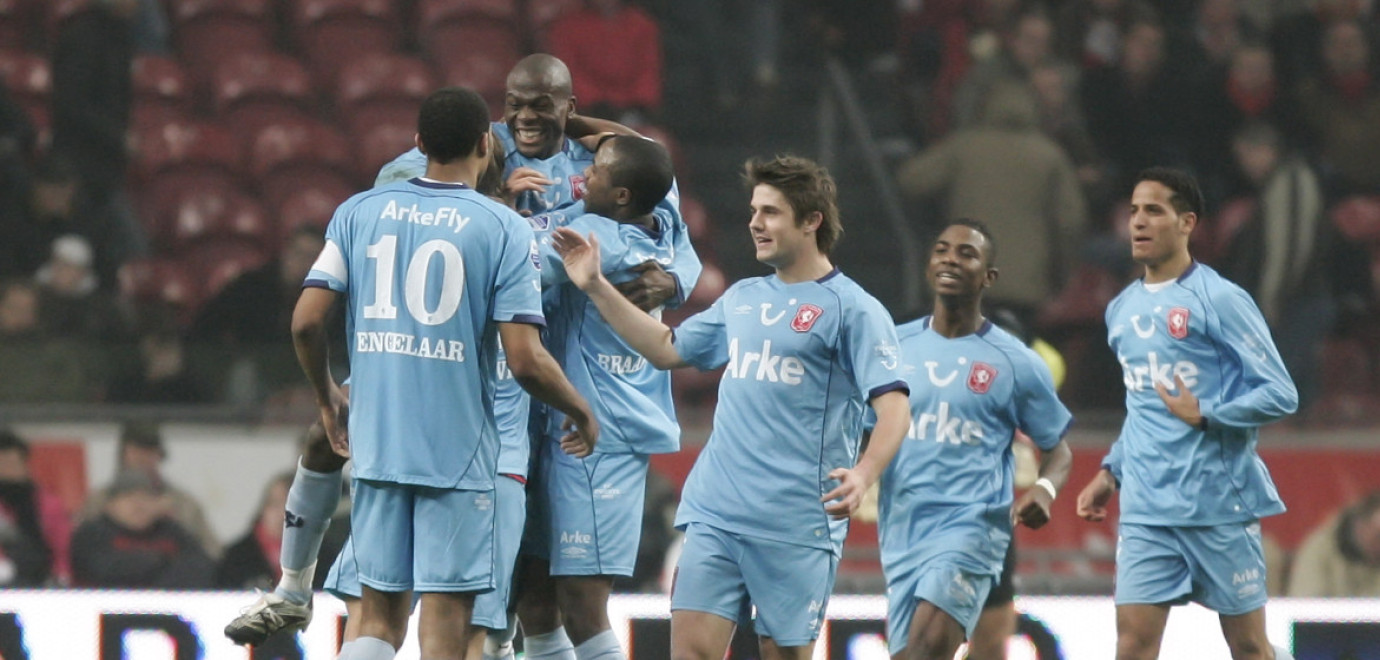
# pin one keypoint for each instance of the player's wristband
(1048, 486)
(1203, 423)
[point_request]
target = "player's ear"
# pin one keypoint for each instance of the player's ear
(485, 145)
(1189, 221)
(417, 140)
(992, 275)
(570, 105)
(812, 222)
(623, 196)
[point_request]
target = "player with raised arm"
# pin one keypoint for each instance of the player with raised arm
(464, 270)
(973, 386)
(586, 518)
(1202, 376)
(765, 508)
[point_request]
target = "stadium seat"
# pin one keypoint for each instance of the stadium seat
(711, 285)
(382, 89)
(311, 206)
(253, 90)
(17, 23)
(160, 198)
(484, 72)
(542, 13)
(431, 12)
(332, 33)
(161, 280)
(29, 80)
(382, 143)
(58, 11)
(288, 155)
(208, 31)
(162, 93)
(218, 262)
(696, 218)
(186, 146)
(199, 215)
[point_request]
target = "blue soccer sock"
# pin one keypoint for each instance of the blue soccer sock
(603, 646)
(311, 500)
(368, 648)
(554, 645)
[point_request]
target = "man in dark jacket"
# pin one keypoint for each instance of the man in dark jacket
(134, 544)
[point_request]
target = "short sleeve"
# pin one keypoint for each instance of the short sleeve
(517, 290)
(871, 350)
(329, 271)
(1039, 412)
(702, 340)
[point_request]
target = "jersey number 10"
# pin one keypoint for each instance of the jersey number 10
(385, 254)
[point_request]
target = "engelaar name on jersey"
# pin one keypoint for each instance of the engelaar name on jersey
(400, 343)
(447, 216)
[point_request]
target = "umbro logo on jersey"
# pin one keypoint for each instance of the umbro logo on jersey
(805, 317)
(980, 377)
(1178, 322)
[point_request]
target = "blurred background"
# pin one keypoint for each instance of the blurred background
(167, 168)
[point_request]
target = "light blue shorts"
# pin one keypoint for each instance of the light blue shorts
(490, 608)
(726, 574)
(423, 539)
(1222, 566)
(587, 513)
(946, 581)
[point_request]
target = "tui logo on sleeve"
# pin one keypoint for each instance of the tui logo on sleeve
(805, 317)
(1178, 322)
(980, 377)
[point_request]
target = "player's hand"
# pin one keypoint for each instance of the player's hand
(335, 417)
(579, 438)
(1092, 501)
(652, 288)
(581, 256)
(843, 501)
(526, 179)
(1032, 510)
(1182, 404)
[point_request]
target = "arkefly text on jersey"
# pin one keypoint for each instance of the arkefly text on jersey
(447, 216)
(405, 344)
(770, 368)
(1138, 377)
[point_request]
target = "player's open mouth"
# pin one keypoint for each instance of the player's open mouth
(947, 277)
(530, 135)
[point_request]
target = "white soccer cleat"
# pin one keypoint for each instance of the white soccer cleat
(270, 615)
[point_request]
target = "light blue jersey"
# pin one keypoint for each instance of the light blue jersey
(566, 170)
(630, 397)
(1207, 331)
(969, 395)
(427, 269)
(803, 360)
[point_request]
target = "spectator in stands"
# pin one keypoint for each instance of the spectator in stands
(1282, 252)
(49, 203)
(1056, 89)
(72, 305)
(1091, 32)
(255, 309)
(1007, 173)
(160, 376)
(1026, 46)
(35, 532)
(1242, 90)
(91, 103)
(1134, 107)
(133, 543)
(141, 449)
(1341, 108)
(1296, 37)
(614, 50)
(18, 311)
(1341, 558)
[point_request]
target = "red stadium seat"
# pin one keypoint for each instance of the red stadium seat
(286, 156)
(180, 147)
(383, 89)
(696, 218)
(431, 12)
(159, 199)
(195, 216)
(162, 280)
(17, 23)
(253, 90)
(309, 206)
(218, 262)
(29, 80)
(332, 33)
(474, 42)
(382, 143)
(484, 72)
(208, 31)
(541, 13)
(162, 92)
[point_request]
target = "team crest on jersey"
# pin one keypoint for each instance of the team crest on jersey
(577, 187)
(805, 317)
(1178, 322)
(980, 377)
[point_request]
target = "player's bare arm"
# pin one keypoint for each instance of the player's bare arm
(646, 335)
(893, 420)
(1093, 500)
(309, 320)
(1033, 508)
(538, 373)
(1182, 403)
(580, 126)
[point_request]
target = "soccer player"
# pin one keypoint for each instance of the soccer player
(587, 515)
(1202, 375)
(765, 508)
(422, 434)
(973, 386)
